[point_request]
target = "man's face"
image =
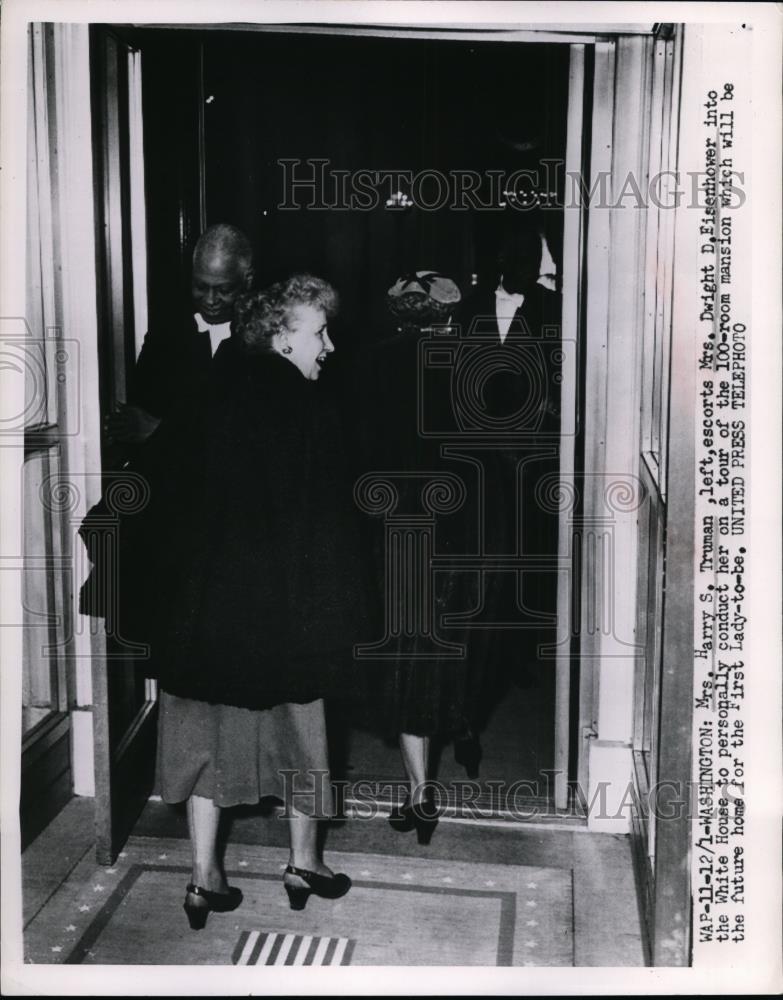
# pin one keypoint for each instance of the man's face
(217, 281)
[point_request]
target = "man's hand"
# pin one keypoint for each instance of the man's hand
(130, 425)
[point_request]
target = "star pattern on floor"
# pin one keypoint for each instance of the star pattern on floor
(416, 877)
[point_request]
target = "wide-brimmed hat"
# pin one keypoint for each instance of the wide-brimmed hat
(423, 297)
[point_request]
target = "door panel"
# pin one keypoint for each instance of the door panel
(660, 702)
(124, 701)
(568, 581)
(39, 350)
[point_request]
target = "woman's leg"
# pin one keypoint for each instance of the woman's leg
(419, 814)
(415, 758)
(307, 723)
(303, 831)
(203, 821)
(315, 877)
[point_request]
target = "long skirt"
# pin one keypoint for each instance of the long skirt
(236, 756)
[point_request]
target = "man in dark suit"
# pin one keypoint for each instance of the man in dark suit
(175, 358)
(510, 357)
(171, 377)
(517, 306)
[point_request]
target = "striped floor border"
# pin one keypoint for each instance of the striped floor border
(273, 948)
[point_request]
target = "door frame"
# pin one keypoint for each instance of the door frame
(590, 311)
(571, 732)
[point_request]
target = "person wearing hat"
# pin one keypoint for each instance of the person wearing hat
(424, 684)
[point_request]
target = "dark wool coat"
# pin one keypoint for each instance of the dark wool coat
(406, 414)
(172, 374)
(445, 404)
(262, 602)
(174, 364)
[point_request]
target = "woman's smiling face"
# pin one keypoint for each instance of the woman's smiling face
(307, 337)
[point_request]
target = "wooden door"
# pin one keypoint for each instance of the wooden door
(124, 701)
(147, 141)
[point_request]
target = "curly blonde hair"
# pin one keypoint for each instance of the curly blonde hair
(258, 316)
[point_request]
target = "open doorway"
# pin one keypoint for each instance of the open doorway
(269, 130)
(290, 122)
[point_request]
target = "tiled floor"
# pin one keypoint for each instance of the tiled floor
(401, 911)
(606, 923)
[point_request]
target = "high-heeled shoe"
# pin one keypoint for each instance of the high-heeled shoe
(468, 753)
(417, 817)
(209, 902)
(325, 886)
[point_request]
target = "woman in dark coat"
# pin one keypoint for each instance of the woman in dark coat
(442, 416)
(428, 671)
(267, 605)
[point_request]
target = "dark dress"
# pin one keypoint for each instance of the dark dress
(421, 667)
(462, 406)
(260, 596)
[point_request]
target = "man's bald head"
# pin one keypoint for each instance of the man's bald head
(224, 241)
(222, 269)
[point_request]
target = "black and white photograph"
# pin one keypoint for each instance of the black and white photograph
(390, 462)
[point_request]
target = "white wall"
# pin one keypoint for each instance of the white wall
(65, 209)
(616, 278)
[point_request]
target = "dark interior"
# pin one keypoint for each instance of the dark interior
(243, 101)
